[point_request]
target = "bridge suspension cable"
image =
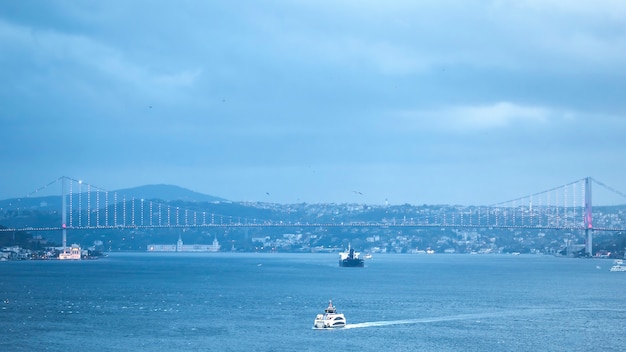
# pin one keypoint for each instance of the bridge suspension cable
(609, 188)
(93, 207)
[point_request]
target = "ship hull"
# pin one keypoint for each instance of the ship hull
(352, 263)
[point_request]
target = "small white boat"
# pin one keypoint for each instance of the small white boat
(618, 266)
(330, 319)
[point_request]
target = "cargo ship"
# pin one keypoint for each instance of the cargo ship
(351, 258)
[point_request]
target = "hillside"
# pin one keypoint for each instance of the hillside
(165, 193)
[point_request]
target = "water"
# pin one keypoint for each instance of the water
(267, 302)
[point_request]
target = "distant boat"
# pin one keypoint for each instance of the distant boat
(618, 266)
(351, 259)
(330, 319)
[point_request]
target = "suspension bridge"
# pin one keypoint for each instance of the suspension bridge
(88, 207)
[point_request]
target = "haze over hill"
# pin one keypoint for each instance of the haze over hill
(161, 192)
(168, 193)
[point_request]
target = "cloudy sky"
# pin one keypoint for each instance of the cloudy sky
(442, 101)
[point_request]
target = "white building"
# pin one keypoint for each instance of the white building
(180, 247)
(71, 253)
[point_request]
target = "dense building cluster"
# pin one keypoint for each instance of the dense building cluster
(267, 227)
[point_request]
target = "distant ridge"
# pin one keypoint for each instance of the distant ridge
(161, 192)
(167, 193)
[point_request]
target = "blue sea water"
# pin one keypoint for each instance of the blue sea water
(267, 302)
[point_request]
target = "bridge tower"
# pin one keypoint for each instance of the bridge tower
(64, 213)
(588, 219)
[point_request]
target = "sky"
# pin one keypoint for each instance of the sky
(469, 102)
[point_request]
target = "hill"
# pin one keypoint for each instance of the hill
(168, 193)
(162, 192)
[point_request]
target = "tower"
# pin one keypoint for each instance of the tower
(179, 244)
(64, 213)
(588, 218)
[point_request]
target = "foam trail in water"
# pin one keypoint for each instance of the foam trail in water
(446, 318)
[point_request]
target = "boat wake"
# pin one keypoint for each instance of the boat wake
(476, 316)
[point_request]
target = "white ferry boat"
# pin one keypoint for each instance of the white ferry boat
(618, 266)
(330, 319)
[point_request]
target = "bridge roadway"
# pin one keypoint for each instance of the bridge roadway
(310, 225)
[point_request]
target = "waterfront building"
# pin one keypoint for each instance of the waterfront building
(74, 252)
(180, 247)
